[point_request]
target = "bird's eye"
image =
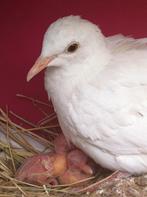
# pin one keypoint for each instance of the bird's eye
(72, 47)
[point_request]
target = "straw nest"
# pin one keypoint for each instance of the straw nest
(18, 143)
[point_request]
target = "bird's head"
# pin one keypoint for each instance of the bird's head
(67, 42)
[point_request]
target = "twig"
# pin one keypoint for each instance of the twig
(48, 118)
(45, 189)
(29, 123)
(95, 185)
(33, 100)
(8, 140)
(13, 181)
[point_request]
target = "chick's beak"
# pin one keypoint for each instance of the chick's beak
(40, 64)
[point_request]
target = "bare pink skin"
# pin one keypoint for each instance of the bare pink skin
(61, 145)
(42, 169)
(67, 164)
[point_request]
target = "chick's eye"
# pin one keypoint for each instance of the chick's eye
(72, 48)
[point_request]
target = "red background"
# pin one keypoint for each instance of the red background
(23, 23)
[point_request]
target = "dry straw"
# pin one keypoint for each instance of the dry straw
(15, 147)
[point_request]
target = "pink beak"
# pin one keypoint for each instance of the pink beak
(40, 64)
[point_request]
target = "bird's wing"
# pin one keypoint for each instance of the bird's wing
(120, 43)
(111, 112)
(115, 122)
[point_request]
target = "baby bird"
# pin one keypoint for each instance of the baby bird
(64, 166)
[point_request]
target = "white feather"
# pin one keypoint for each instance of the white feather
(100, 92)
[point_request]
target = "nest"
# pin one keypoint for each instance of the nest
(15, 148)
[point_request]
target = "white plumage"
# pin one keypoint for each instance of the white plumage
(99, 92)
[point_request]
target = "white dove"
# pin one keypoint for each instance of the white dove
(98, 86)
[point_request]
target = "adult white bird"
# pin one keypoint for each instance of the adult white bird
(98, 86)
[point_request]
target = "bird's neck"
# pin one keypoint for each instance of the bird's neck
(60, 83)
